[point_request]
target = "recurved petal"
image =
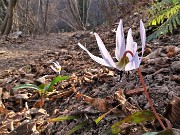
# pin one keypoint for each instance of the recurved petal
(120, 41)
(95, 58)
(143, 36)
(56, 64)
(105, 54)
(133, 64)
(53, 68)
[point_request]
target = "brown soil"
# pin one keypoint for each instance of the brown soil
(26, 59)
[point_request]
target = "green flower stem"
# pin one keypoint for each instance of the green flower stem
(149, 100)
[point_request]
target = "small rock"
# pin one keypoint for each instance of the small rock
(170, 94)
(147, 106)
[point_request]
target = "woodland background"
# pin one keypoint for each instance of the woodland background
(41, 16)
(36, 33)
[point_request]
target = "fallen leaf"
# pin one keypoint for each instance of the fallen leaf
(132, 92)
(175, 78)
(25, 128)
(172, 51)
(154, 54)
(172, 111)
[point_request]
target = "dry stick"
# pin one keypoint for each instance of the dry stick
(149, 100)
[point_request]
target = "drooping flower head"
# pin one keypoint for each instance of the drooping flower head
(57, 67)
(127, 57)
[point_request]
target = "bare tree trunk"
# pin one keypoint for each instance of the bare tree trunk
(27, 16)
(7, 23)
(106, 11)
(87, 13)
(3, 8)
(5, 2)
(41, 17)
(74, 10)
(45, 17)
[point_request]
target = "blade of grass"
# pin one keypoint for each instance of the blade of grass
(137, 117)
(63, 118)
(25, 86)
(54, 81)
(103, 115)
(79, 126)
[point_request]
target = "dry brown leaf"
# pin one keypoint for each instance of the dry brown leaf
(173, 110)
(3, 110)
(106, 76)
(79, 96)
(61, 95)
(127, 107)
(88, 76)
(175, 78)
(135, 91)
(172, 51)
(147, 51)
(25, 128)
(98, 103)
(154, 54)
(101, 104)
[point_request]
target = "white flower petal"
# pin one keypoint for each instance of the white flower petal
(143, 36)
(95, 58)
(57, 65)
(133, 64)
(129, 42)
(130, 45)
(120, 42)
(105, 54)
(134, 48)
(54, 68)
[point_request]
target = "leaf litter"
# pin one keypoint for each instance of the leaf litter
(91, 90)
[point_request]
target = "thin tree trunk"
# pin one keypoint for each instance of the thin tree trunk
(74, 10)
(46, 12)
(7, 23)
(27, 16)
(87, 13)
(41, 17)
(106, 10)
(3, 8)
(3, 26)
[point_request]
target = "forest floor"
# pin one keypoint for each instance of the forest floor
(90, 86)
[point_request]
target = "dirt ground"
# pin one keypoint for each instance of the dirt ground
(27, 60)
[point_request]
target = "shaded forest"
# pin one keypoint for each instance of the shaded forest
(90, 67)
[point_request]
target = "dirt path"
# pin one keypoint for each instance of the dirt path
(27, 59)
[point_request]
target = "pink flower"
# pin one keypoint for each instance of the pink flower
(127, 58)
(57, 67)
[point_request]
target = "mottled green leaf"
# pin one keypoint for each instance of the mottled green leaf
(100, 118)
(137, 117)
(63, 118)
(54, 81)
(150, 133)
(164, 132)
(79, 126)
(25, 86)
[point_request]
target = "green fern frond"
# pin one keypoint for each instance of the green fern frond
(158, 13)
(166, 16)
(168, 26)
